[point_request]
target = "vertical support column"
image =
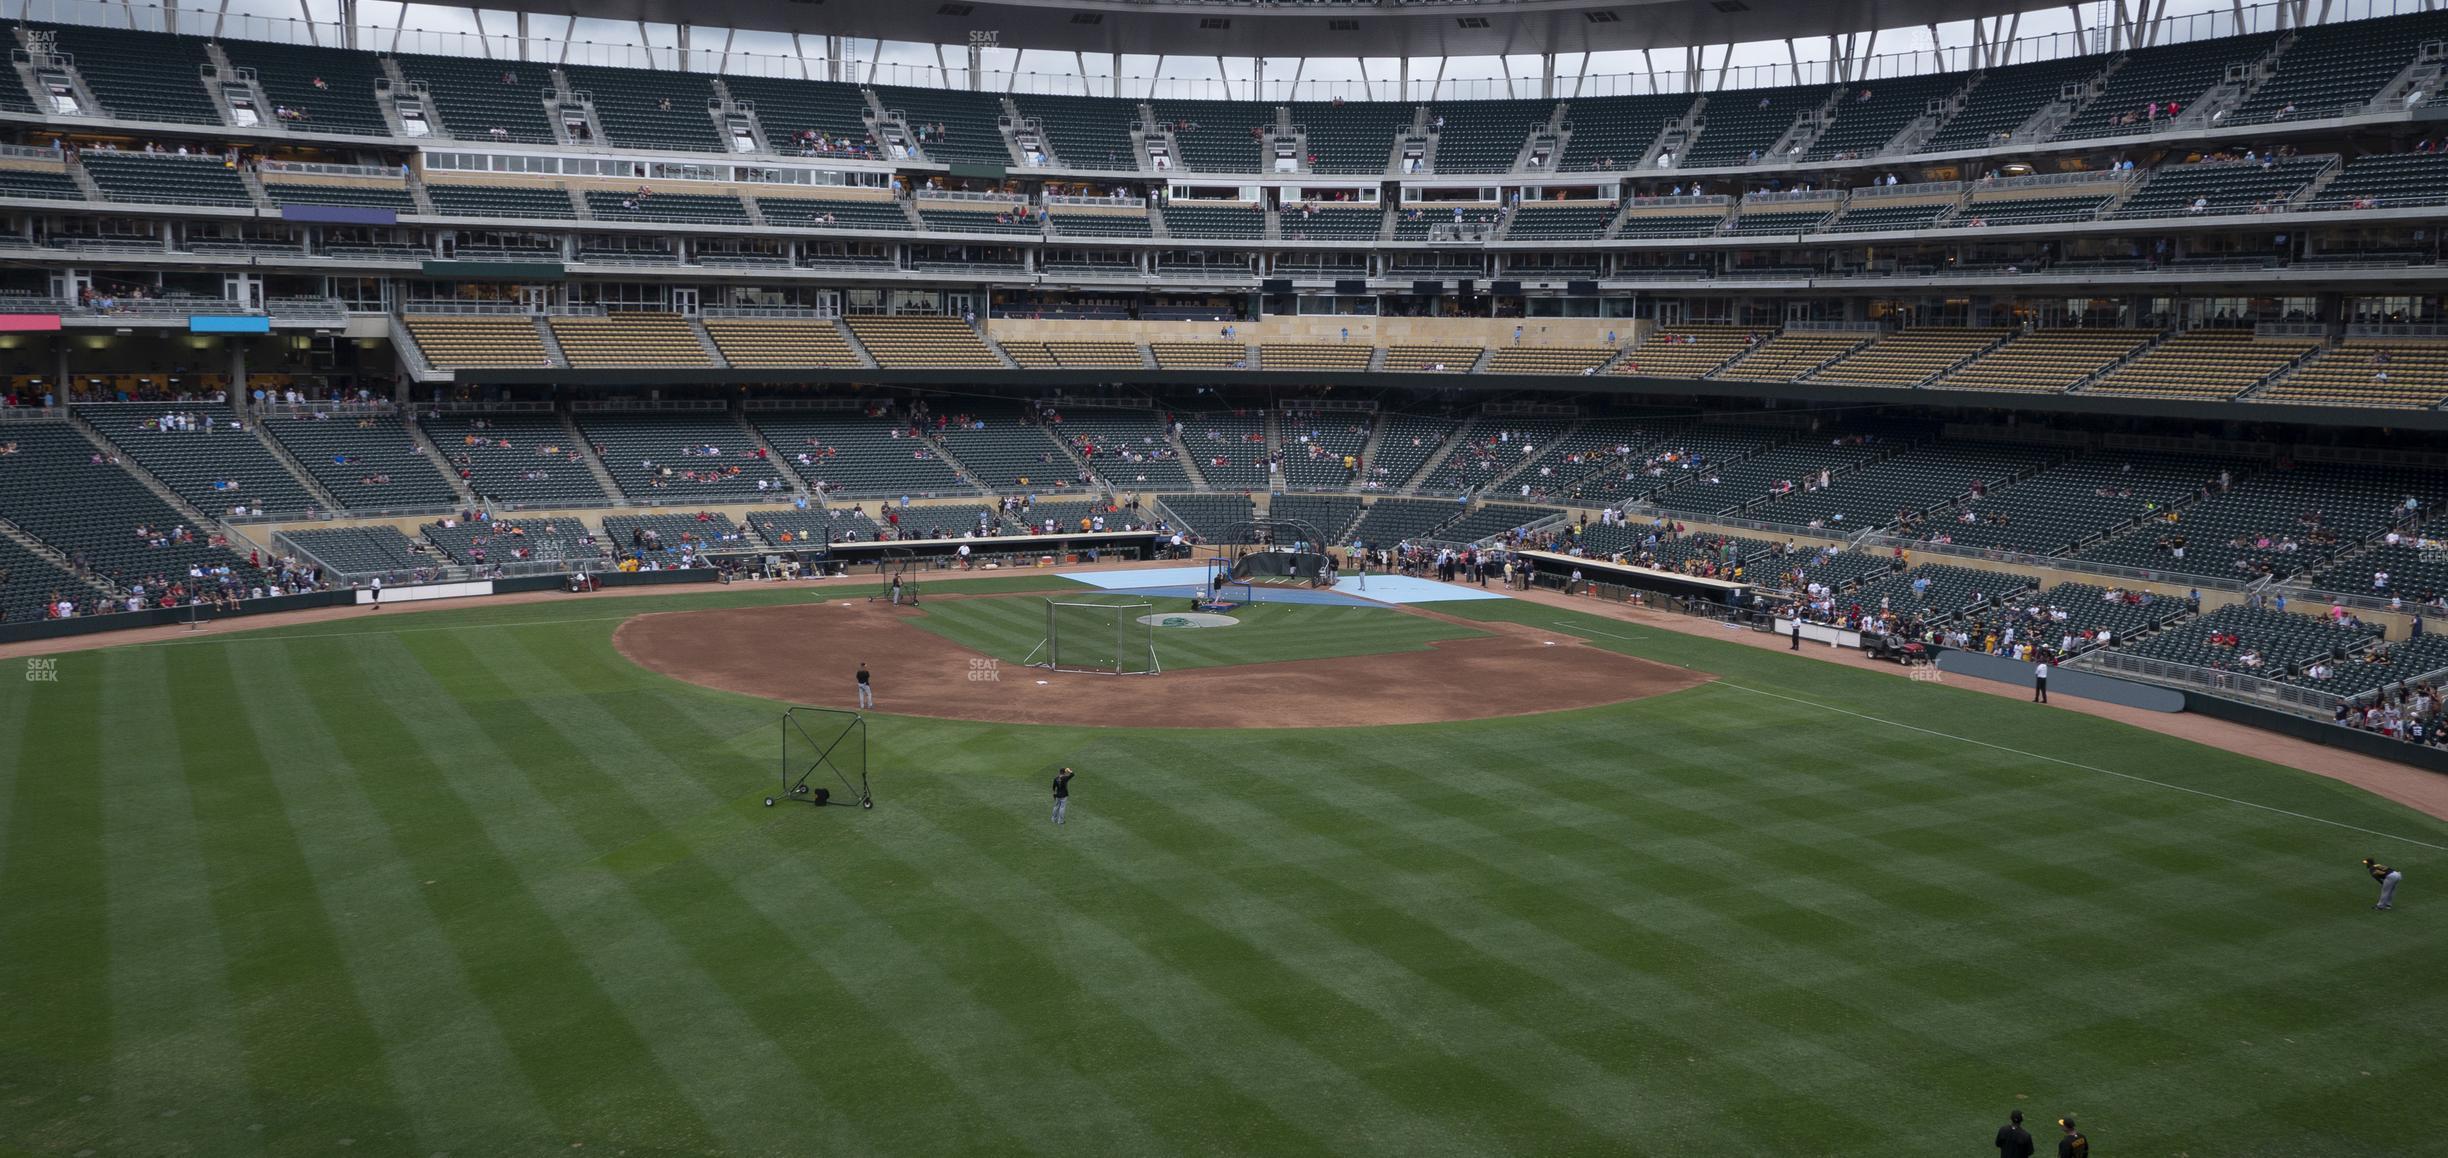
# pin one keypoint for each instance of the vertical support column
(525, 51)
(238, 367)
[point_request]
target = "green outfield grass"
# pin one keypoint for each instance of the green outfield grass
(1012, 626)
(468, 882)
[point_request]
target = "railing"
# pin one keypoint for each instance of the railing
(2218, 22)
(2291, 329)
(2052, 562)
(925, 195)
(316, 309)
(1922, 189)
(2394, 330)
(1792, 195)
(767, 312)
(636, 405)
(30, 153)
(317, 169)
(1702, 200)
(2055, 180)
(2235, 685)
(460, 307)
(1097, 202)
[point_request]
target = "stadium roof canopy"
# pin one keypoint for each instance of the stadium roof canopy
(1283, 28)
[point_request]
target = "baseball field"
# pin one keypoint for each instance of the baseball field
(501, 880)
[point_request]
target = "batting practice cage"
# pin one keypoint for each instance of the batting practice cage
(1105, 638)
(897, 563)
(1273, 553)
(821, 745)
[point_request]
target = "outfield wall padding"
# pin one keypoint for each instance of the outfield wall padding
(2063, 681)
(156, 617)
(2318, 731)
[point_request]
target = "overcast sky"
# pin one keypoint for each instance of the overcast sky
(448, 29)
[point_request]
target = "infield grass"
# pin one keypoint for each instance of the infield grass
(1010, 627)
(471, 883)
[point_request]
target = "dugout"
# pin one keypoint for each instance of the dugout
(1549, 569)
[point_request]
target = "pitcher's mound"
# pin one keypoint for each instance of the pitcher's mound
(807, 653)
(1188, 619)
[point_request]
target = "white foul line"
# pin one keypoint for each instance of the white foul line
(2083, 766)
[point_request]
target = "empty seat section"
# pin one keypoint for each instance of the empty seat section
(2001, 100)
(332, 89)
(2334, 70)
(200, 456)
(1547, 359)
(1869, 114)
(52, 488)
(512, 539)
(1391, 521)
(140, 76)
(1789, 355)
(1743, 122)
(2038, 210)
(529, 460)
(2221, 186)
(1486, 136)
(486, 100)
(965, 127)
(1199, 355)
(2363, 372)
(849, 453)
(2048, 360)
(1689, 351)
(788, 109)
(1186, 220)
(1353, 136)
(1908, 483)
(2074, 502)
(367, 461)
(781, 343)
(681, 458)
(1675, 221)
(1561, 220)
(1330, 223)
(2205, 364)
(1432, 359)
(640, 109)
(449, 340)
(1229, 447)
(1865, 215)
(2277, 639)
(622, 340)
(1215, 136)
(364, 550)
(2170, 72)
(897, 341)
(1329, 356)
(2388, 181)
(163, 177)
(368, 196)
(1772, 218)
(1084, 132)
(833, 213)
(650, 536)
(1006, 452)
(1405, 446)
(1127, 448)
(1016, 219)
(1490, 449)
(49, 184)
(499, 201)
(1098, 223)
(1209, 516)
(1094, 354)
(2275, 521)
(1615, 133)
(676, 208)
(1909, 357)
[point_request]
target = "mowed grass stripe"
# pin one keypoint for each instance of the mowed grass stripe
(179, 1072)
(449, 1064)
(747, 949)
(1011, 627)
(55, 1043)
(915, 945)
(313, 1059)
(1479, 1108)
(1269, 803)
(708, 1004)
(1237, 1082)
(1551, 1017)
(466, 818)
